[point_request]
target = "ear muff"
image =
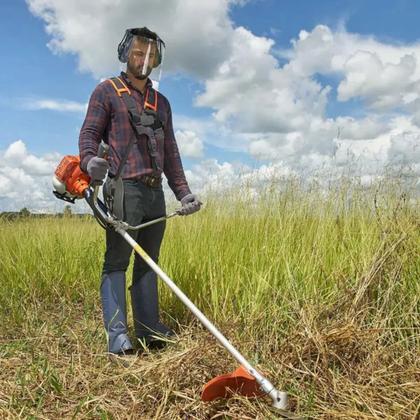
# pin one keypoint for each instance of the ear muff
(124, 46)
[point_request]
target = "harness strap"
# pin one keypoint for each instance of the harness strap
(151, 100)
(145, 122)
(119, 91)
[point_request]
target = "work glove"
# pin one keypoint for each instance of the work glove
(190, 204)
(97, 168)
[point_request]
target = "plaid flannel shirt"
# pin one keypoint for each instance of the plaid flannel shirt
(107, 118)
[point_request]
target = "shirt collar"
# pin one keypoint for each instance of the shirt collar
(124, 75)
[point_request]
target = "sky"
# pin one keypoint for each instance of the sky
(259, 89)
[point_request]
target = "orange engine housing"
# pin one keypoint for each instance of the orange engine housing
(69, 173)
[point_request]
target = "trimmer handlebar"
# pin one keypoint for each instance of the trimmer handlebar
(103, 150)
(104, 217)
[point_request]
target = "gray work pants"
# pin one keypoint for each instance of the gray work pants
(141, 203)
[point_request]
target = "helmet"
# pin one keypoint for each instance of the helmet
(144, 34)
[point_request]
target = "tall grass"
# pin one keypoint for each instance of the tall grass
(319, 288)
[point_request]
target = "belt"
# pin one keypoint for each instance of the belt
(150, 180)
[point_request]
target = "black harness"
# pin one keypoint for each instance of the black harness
(145, 123)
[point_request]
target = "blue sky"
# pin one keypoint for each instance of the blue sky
(215, 130)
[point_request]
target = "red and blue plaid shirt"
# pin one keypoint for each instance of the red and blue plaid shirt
(107, 118)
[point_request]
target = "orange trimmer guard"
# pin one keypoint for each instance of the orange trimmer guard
(239, 382)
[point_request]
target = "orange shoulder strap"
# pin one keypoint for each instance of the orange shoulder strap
(119, 86)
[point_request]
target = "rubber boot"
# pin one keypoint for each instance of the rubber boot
(114, 310)
(145, 305)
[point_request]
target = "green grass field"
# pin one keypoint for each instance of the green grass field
(320, 290)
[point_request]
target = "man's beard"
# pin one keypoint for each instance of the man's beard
(136, 73)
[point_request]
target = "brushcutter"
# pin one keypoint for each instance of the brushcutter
(70, 184)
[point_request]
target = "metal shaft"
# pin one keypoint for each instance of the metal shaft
(279, 398)
(152, 222)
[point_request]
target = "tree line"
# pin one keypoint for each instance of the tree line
(25, 213)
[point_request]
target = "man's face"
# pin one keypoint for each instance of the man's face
(138, 56)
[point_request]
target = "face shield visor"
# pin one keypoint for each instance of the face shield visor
(143, 51)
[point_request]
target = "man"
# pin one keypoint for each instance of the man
(141, 147)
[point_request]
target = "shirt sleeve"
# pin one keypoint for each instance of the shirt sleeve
(94, 126)
(172, 167)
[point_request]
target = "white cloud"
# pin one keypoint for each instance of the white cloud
(383, 85)
(211, 175)
(17, 156)
(274, 112)
(189, 143)
(359, 129)
(404, 149)
(21, 186)
(212, 132)
(221, 178)
(382, 75)
(54, 105)
(92, 30)
(252, 94)
(26, 180)
(16, 151)
(281, 111)
(6, 185)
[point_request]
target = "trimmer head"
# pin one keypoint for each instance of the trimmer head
(238, 382)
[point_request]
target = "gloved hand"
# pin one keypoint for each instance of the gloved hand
(190, 204)
(97, 168)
